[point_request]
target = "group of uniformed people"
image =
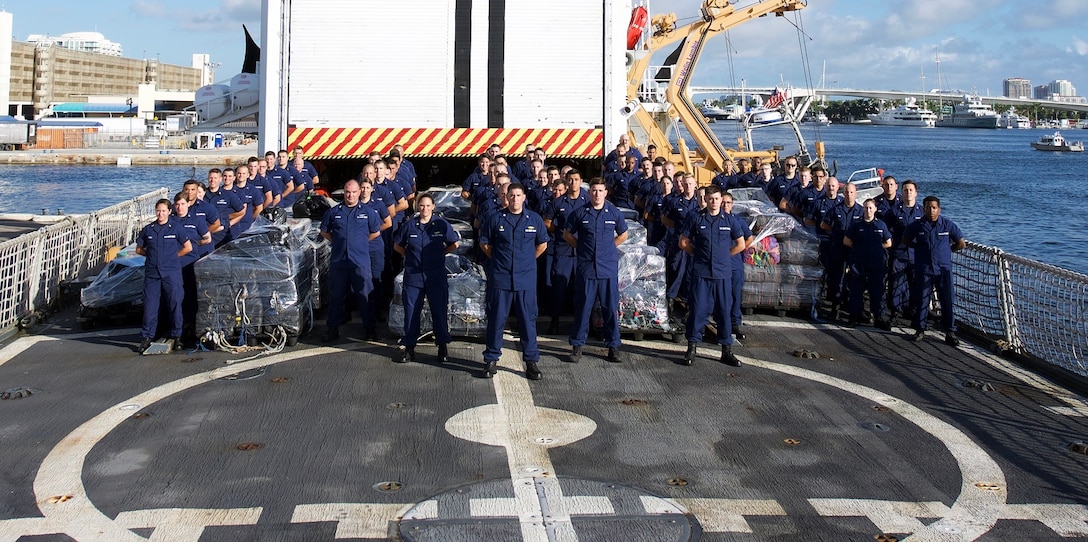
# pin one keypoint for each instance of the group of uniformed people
(542, 237)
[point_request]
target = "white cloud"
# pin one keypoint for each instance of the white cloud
(1079, 47)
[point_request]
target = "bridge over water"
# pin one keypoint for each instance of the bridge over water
(888, 95)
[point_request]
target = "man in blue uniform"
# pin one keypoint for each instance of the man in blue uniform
(890, 198)
(245, 194)
(368, 312)
(595, 230)
(349, 227)
(934, 239)
(901, 258)
(736, 315)
(197, 229)
(868, 240)
(476, 178)
(562, 271)
(200, 208)
(677, 208)
(712, 240)
(277, 179)
(227, 206)
(836, 222)
(780, 187)
(512, 240)
(163, 244)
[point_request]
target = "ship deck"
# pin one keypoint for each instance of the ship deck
(876, 437)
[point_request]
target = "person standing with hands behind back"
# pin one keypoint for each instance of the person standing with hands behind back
(162, 243)
(934, 238)
(424, 241)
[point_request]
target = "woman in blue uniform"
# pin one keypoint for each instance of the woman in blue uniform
(868, 240)
(162, 243)
(424, 241)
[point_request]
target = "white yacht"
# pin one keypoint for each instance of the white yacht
(818, 119)
(908, 114)
(1011, 119)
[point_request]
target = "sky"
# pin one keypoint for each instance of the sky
(863, 44)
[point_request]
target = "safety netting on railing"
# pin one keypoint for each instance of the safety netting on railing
(33, 265)
(1033, 308)
(1051, 307)
(980, 290)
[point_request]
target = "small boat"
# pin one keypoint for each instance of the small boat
(762, 115)
(1011, 119)
(714, 112)
(1056, 142)
(818, 119)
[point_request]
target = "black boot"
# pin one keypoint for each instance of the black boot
(489, 370)
(728, 358)
(532, 371)
(443, 354)
(575, 354)
(330, 335)
(689, 357)
(614, 355)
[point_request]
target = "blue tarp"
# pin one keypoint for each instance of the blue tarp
(83, 107)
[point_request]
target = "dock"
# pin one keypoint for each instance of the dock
(136, 156)
(865, 437)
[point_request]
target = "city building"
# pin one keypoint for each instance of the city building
(1040, 92)
(1061, 87)
(1016, 87)
(83, 75)
(88, 42)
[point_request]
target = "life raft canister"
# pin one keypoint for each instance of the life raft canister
(639, 18)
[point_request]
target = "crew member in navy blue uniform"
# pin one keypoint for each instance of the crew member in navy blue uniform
(727, 179)
(245, 194)
(349, 227)
(595, 230)
(271, 192)
(619, 181)
(934, 239)
(890, 198)
(901, 258)
(226, 204)
(562, 272)
(368, 312)
(276, 178)
(476, 178)
(677, 207)
(424, 242)
(163, 244)
(655, 211)
(291, 188)
(200, 208)
(779, 187)
(868, 240)
(712, 240)
(301, 177)
(837, 221)
(197, 229)
(512, 240)
(524, 168)
(736, 315)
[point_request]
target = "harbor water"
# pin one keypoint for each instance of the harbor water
(992, 183)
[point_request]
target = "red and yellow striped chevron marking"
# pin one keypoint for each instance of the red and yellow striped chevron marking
(452, 142)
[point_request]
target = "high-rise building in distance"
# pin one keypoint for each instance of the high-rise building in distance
(1016, 87)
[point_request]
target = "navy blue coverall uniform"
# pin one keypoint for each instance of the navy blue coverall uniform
(562, 272)
(839, 218)
(425, 275)
(197, 228)
(868, 266)
(596, 276)
(737, 284)
(225, 203)
(901, 258)
(932, 243)
(511, 278)
(377, 264)
(677, 209)
(712, 237)
(349, 262)
(162, 274)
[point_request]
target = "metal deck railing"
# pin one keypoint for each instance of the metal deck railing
(34, 265)
(1028, 307)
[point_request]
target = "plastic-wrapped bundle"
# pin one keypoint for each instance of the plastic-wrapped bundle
(121, 281)
(263, 278)
(636, 233)
(751, 202)
(467, 309)
(794, 281)
(449, 204)
(642, 304)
